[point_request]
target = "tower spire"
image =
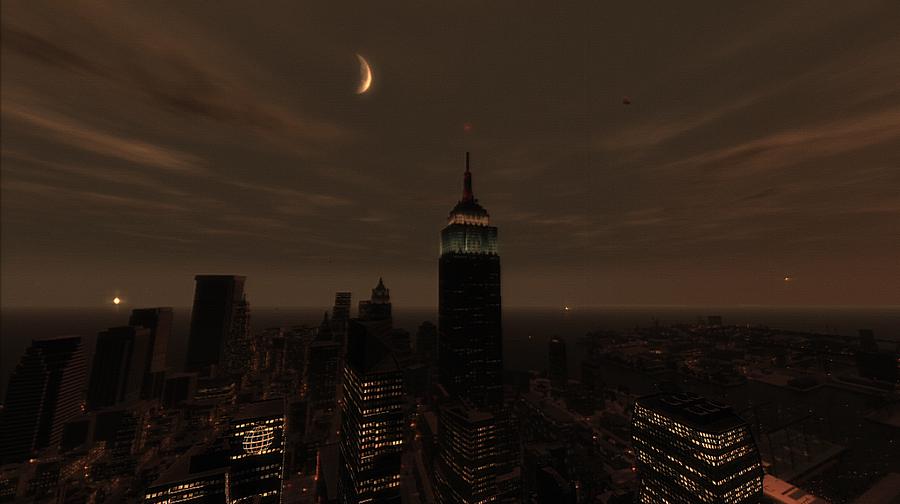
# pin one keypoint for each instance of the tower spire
(467, 182)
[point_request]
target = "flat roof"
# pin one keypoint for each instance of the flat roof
(270, 408)
(694, 410)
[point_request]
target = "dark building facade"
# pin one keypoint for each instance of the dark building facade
(44, 392)
(372, 419)
(119, 367)
(237, 351)
(159, 322)
(691, 450)
(322, 365)
(427, 343)
(340, 316)
(216, 301)
(558, 370)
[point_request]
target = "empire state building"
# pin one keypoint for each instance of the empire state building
(477, 461)
(471, 346)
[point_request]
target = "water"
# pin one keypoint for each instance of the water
(526, 330)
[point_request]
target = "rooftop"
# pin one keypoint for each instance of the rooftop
(270, 408)
(696, 411)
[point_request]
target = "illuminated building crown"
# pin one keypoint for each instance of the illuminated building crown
(468, 228)
(468, 211)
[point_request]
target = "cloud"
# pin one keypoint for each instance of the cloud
(791, 147)
(92, 198)
(82, 136)
(172, 73)
(120, 176)
(44, 51)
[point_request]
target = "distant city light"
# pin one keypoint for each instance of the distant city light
(116, 300)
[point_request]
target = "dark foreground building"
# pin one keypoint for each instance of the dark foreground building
(372, 419)
(690, 450)
(159, 322)
(43, 393)
(217, 299)
(119, 368)
(558, 371)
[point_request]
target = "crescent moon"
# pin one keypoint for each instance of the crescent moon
(365, 75)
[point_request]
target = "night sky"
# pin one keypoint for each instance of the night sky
(142, 145)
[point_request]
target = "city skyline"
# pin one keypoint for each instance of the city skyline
(702, 162)
(348, 411)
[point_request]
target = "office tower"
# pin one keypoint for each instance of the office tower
(427, 342)
(237, 353)
(340, 315)
(159, 322)
(256, 458)
(342, 303)
(559, 366)
(379, 306)
(468, 454)
(476, 461)
(118, 370)
(470, 340)
(691, 450)
(323, 362)
(372, 418)
(44, 392)
(216, 300)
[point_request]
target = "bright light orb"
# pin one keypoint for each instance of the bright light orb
(116, 300)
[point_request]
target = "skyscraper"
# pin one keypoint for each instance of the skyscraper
(559, 366)
(469, 320)
(159, 322)
(426, 342)
(372, 419)
(379, 306)
(119, 366)
(322, 364)
(216, 299)
(340, 316)
(691, 450)
(256, 446)
(43, 393)
(474, 451)
(237, 352)
(341, 310)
